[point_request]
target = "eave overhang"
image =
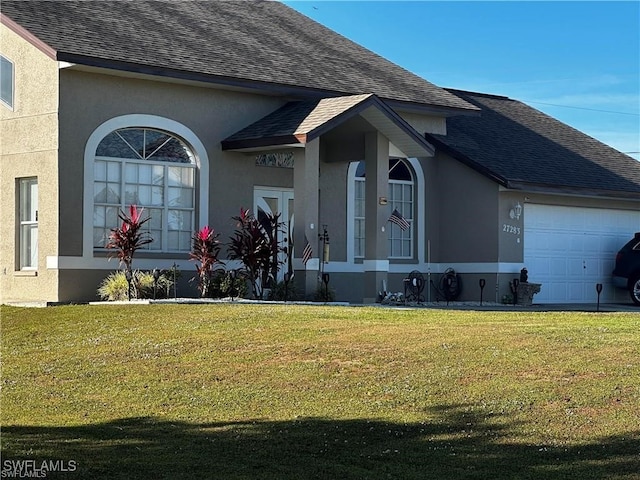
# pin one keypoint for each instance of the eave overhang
(28, 36)
(572, 191)
(524, 186)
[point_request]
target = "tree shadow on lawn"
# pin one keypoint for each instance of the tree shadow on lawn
(454, 444)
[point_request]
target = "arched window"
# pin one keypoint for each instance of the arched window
(150, 168)
(401, 198)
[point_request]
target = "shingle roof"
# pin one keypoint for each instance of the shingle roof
(521, 147)
(302, 121)
(255, 41)
(295, 120)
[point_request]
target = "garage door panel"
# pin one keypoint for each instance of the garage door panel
(542, 265)
(575, 268)
(575, 292)
(559, 267)
(577, 243)
(557, 242)
(570, 249)
(591, 243)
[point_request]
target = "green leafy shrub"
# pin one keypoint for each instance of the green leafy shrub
(283, 292)
(228, 284)
(115, 286)
(324, 295)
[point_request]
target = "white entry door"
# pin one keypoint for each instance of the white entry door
(270, 201)
(571, 249)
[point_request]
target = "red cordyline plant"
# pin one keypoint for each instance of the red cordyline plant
(205, 249)
(129, 237)
(256, 245)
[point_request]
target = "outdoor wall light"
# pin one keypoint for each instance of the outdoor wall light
(516, 211)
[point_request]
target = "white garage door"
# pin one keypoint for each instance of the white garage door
(569, 250)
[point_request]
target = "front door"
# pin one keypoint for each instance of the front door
(271, 201)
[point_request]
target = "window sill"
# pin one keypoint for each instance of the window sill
(101, 253)
(25, 273)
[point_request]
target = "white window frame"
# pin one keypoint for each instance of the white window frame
(11, 78)
(359, 224)
(418, 224)
(28, 223)
(395, 229)
(151, 122)
(160, 234)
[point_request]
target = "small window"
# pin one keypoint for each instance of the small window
(6, 81)
(28, 218)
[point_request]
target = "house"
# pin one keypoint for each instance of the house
(196, 109)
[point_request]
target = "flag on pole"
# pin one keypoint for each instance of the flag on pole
(307, 252)
(397, 218)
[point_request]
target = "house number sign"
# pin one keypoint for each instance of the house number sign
(511, 229)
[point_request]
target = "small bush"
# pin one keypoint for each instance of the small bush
(279, 289)
(324, 295)
(228, 284)
(115, 286)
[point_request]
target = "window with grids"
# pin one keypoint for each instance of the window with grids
(358, 210)
(401, 198)
(151, 169)
(28, 215)
(401, 188)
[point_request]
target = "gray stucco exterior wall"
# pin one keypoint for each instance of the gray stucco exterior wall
(210, 113)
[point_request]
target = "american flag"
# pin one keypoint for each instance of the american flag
(397, 218)
(307, 252)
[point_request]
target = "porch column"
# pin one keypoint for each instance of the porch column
(376, 258)
(306, 188)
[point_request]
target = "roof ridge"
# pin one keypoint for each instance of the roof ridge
(263, 45)
(457, 91)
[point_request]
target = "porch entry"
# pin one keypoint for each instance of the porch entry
(268, 200)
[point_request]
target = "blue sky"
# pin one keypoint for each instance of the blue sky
(576, 61)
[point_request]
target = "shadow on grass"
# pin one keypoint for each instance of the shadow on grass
(454, 444)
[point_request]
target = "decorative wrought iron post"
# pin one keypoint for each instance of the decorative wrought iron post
(156, 277)
(599, 290)
(324, 237)
(175, 284)
(287, 279)
(514, 289)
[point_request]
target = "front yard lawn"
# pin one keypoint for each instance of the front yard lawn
(315, 392)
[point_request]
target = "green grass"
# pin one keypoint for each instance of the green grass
(304, 392)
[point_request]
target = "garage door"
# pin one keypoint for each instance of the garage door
(569, 250)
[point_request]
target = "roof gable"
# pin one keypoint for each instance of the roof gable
(521, 147)
(301, 122)
(263, 42)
